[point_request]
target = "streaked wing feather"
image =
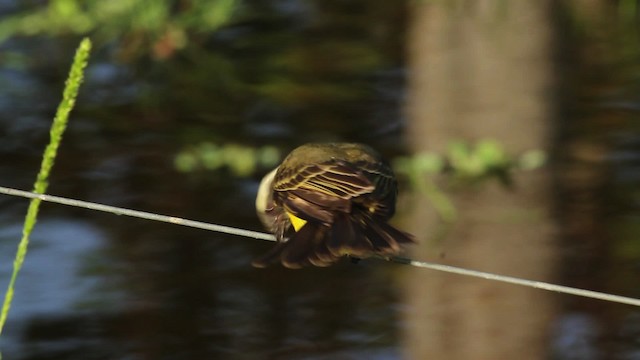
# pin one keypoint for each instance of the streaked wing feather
(336, 178)
(305, 209)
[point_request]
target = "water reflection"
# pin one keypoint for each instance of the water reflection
(575, 337)
(60, 276)
(283, 73)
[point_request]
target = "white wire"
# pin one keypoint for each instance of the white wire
(269, 237)
(518, 281)
(138, 214)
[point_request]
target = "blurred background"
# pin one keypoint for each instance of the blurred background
(512, 125)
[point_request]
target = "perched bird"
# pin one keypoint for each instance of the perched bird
(326, 201)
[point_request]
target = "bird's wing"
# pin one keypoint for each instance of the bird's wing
(334, 179)
(383, 199)
(316, 191)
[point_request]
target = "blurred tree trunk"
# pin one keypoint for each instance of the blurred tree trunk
(482, 69)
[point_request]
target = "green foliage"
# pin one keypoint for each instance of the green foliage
(463, 164)
(160, 24)
(57, 129)
(532, 160)
(469, 162)
(420, 169)
(241, 160)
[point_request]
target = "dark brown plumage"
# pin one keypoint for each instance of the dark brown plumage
(344, 192)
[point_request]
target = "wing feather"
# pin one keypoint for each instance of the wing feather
(335, 178)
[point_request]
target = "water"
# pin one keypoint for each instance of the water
(101, 286)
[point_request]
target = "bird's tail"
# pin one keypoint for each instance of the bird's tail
(357, 235)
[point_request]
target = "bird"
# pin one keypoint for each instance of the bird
(326, 201)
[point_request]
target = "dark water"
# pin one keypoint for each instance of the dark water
(100, 286)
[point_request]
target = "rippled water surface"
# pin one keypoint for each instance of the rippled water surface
(282, 73)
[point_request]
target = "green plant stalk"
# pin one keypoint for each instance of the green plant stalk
(439, 200)
(57, 129)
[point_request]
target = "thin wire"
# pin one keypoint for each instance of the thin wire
(518, 281)
(138, 214)
(269, 237)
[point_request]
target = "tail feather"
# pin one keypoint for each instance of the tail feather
(382, 242)
(301, 245)
(356, 235)
(322, 255)
(342, 231)
(292, 252)
(347, 238)
(399, 236)
(385, 238)
(270, 257)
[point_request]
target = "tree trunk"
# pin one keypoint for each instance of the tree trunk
(482, 69)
